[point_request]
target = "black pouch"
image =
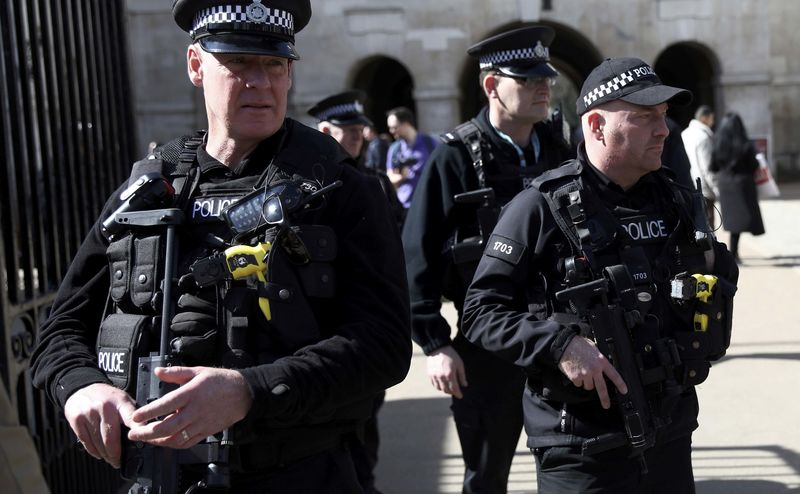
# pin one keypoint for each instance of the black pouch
(119, 255)
(720, 320)
(145, 272)
(122, 340)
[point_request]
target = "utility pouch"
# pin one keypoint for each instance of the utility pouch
(292, 317)
(719, 328)
(145, 272)
(317, 276)
(122, 340)
(118, 254)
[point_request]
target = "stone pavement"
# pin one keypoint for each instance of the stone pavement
(749, 436)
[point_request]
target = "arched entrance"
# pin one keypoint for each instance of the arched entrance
(571, 54)
(691, 66)
(388, 84)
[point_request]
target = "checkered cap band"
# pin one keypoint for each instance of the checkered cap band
(225, 14)
(607, 88)
(505, 56)
(343, 109)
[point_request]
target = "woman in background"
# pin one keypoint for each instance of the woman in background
(734, 160)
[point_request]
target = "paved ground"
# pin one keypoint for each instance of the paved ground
(749, 437)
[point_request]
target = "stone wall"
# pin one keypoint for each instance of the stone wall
(751, 43)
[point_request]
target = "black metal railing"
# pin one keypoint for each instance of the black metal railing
(66, 138)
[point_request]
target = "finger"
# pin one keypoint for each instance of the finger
(169, 426)
(455, 390)
(588, 384)
(602, 392)
(616, 379)
(126, 411)
(85, 437)
(175, 375)
(110, 436)
(461, 376)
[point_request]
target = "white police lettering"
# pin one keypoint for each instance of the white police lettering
(503, 247)
(112, 361)
(640, 276)
(210, 207)
(646, 229)
(644, 70)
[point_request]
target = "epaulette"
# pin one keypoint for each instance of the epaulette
(448, 137)
(569, 169)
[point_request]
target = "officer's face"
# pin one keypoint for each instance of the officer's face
(634, 135)
(350, 137)
(246, 95)
(520, 100)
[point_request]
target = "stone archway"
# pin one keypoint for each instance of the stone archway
(388, 84)
(571, 53)
(692, 66)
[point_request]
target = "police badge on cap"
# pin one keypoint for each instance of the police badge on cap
(523, 52)
(628, 79)
(341, 109)
(252, 27)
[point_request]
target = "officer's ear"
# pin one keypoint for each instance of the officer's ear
(490, 85)
(194, 64)
(324, 127)
(290, 72)
(596, 123)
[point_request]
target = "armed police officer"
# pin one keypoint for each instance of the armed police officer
(483, 163)
(605, 284)
(291, 314)
(342, 117)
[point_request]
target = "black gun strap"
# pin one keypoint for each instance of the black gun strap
(472, 137)
(565, 217)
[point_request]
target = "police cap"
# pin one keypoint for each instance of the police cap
(341, 109)
(252, 27)
(628, 79)
(523, 52)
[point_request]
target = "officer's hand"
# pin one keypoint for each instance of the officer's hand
(446, 371)
(95, 414)
(195, 330)
(585, 366)
(207, 401)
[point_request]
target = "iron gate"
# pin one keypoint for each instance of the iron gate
(66, 138)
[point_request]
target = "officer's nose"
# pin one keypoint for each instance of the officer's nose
(258, 77)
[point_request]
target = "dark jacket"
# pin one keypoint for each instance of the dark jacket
(509, 306)
(363, 344)
(434, 217)
(738, 197)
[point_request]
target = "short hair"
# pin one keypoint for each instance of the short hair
(703, 111)
(402, 114)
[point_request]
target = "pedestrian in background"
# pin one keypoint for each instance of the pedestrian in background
(407, 155)
(734, 161)
(698, 138)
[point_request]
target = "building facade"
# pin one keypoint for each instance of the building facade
(735, 55)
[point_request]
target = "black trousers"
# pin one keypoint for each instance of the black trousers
(365, 448)
(488, 419)
(564, 469)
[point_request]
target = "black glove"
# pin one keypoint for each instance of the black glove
(194, 328)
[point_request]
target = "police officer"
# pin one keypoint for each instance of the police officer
(491, 158)
(342, 117)
(285, 362)
(608, 242)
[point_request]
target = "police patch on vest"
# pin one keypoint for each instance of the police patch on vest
(113, 362)
(209, 208)
(504, 248)
(646, 229)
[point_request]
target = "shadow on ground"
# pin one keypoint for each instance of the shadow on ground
(411, 451)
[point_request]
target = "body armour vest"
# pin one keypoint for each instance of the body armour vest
(655, 243)
(245, 337)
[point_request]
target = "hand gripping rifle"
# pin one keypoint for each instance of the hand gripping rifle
(156, 469)
(608, 305)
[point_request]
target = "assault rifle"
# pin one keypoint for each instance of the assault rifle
(156, 469)
(470, 249)
(608, 305)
